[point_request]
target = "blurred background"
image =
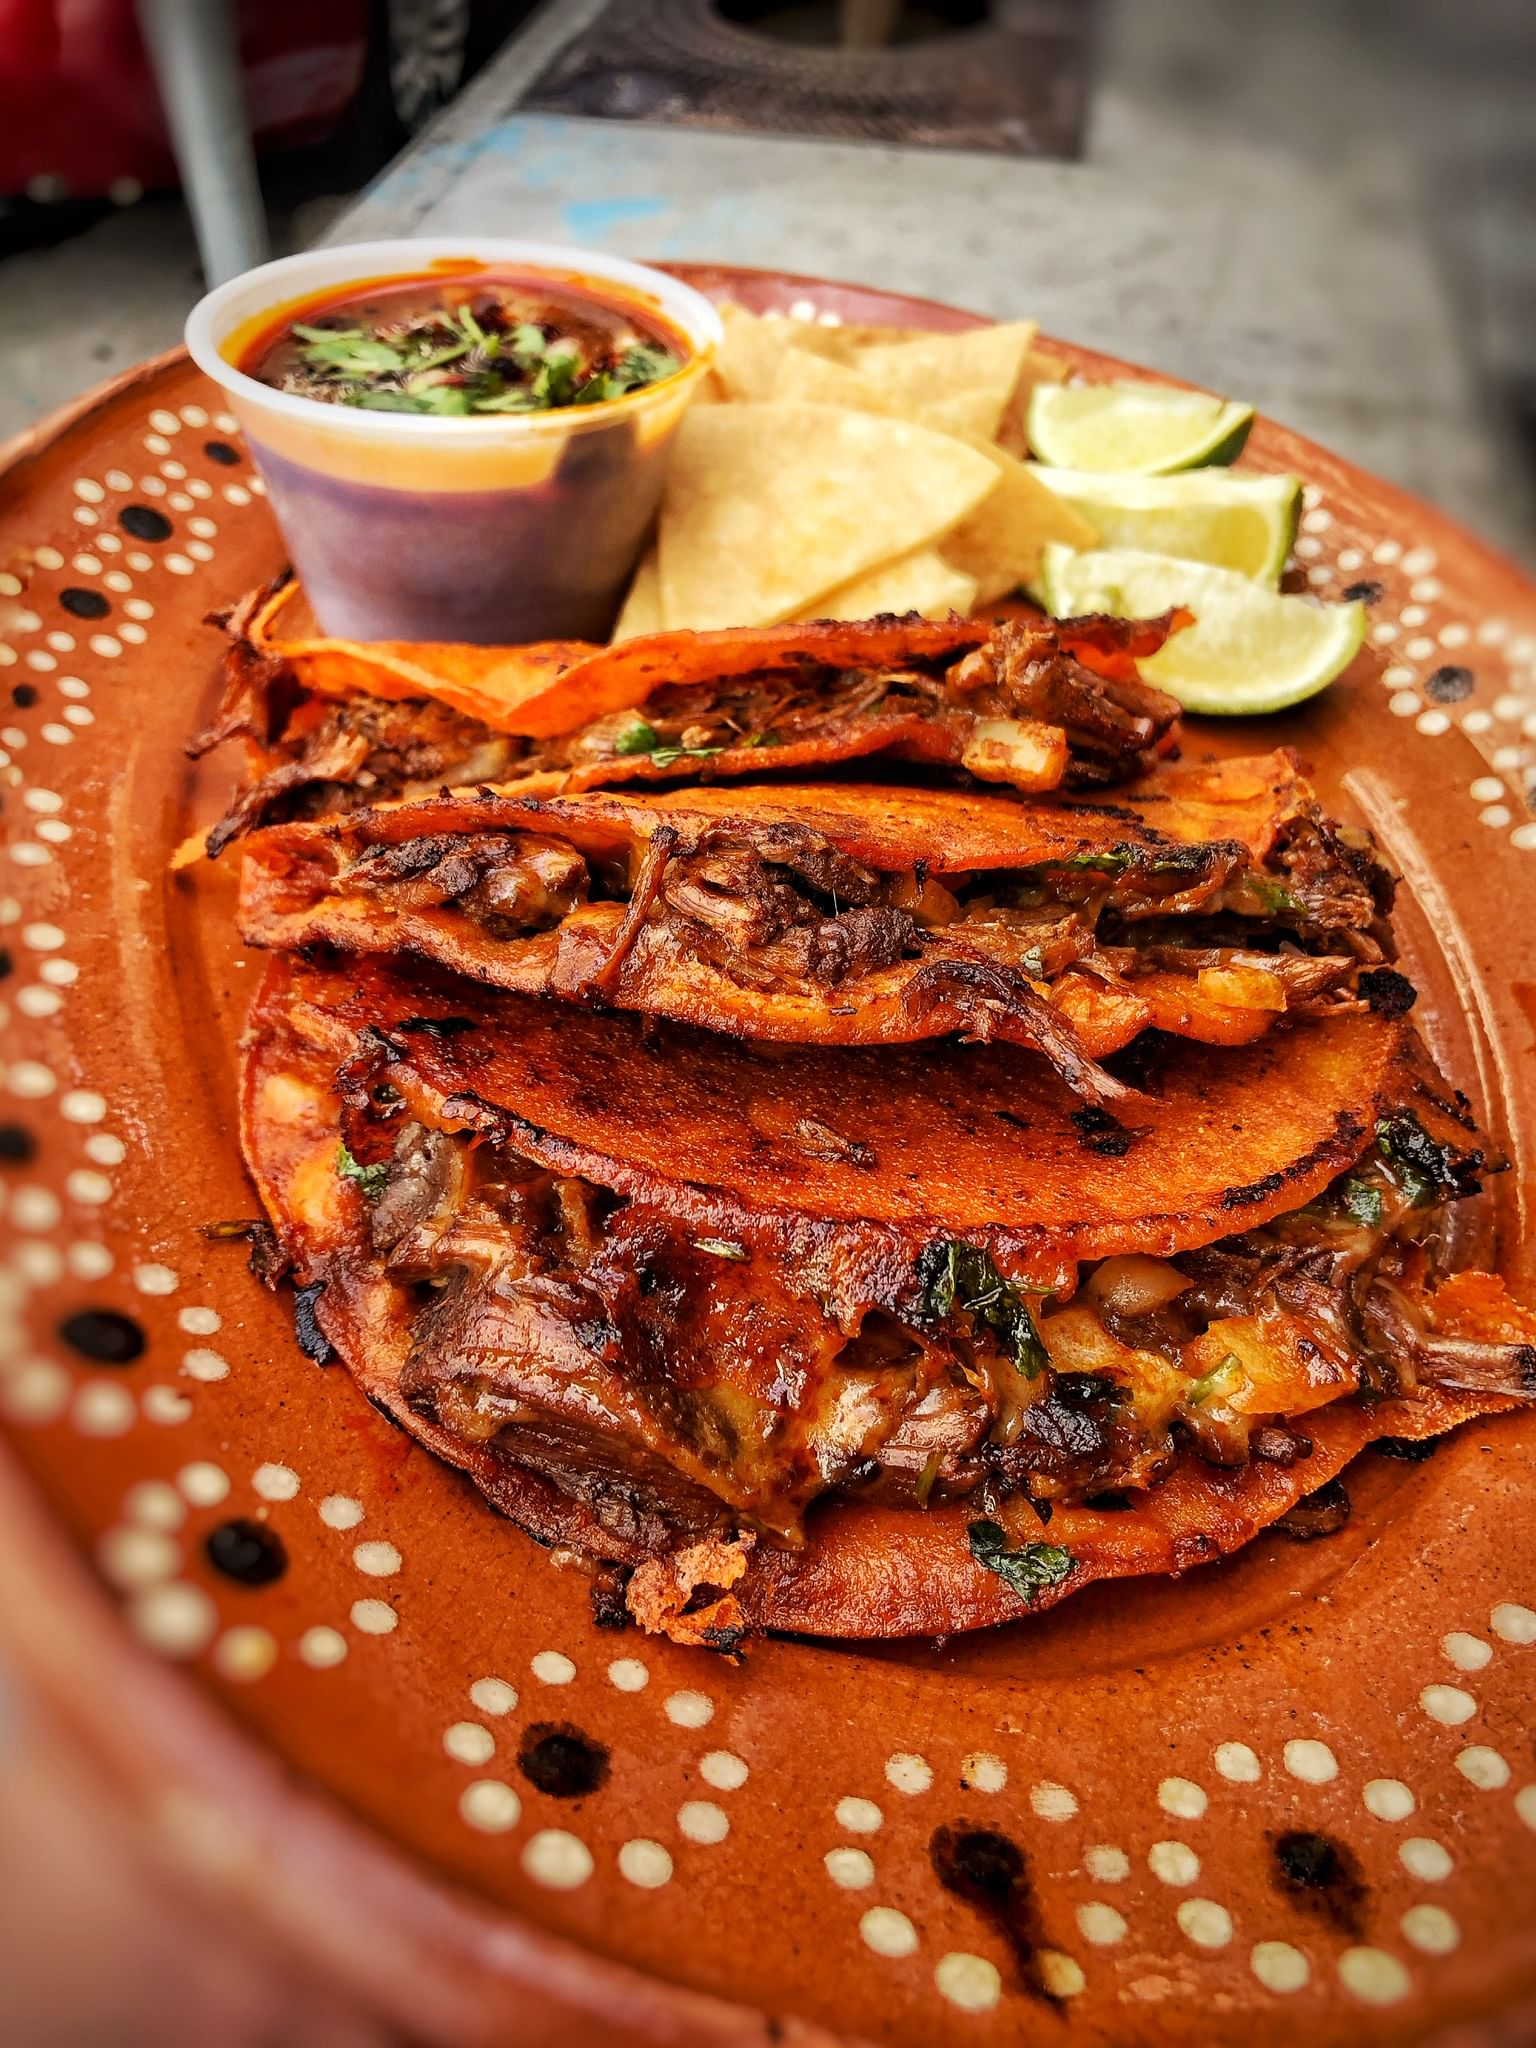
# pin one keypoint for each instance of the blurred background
(1321, 206)
(1327, 202)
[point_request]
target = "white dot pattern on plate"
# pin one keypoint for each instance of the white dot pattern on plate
(1483, 1767)
(1207, 1923)
(1238, 1763)
(491, 1807)
(1052, 1802)
(1427, 1860)
(1181, 1797)
(702, 1821)
(888, 1932)
(851, 1869)
(1311, 1761)
(859, 1816)
(1101, 1924)
(1173, 1863)
(645, 1863)
(1388, 1799)
(1424, 626)
(1374, 1976)
(493, 1696)
(1279, 1967)
(377, 1560)
(970, 1982)
(909, 1773)
(690, 1709)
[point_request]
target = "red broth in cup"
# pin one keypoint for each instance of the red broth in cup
(463, 449)
(469, 346)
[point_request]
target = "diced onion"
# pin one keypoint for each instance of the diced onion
(1244, 988)
(1135, 1285)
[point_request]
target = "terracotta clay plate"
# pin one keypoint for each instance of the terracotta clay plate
(1291, 1796)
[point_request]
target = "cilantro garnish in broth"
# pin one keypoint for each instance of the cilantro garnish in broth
(455, 350)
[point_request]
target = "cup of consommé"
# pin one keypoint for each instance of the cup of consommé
(461, 440)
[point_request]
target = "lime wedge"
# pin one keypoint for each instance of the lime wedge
(1133, 429)
(1247, 523)
(1250, 650)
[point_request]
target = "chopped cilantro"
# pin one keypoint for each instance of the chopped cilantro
(721, 1248)
(451, 362)
(638, 738)
(665, 756)
(1363, 1202)
(1276, 898)
(1209, 1382)
(371, 1180)
(1112, 863)
(962, 1276)
(1025, 1571)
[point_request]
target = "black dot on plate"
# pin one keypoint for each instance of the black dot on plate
(220, 451)
(7, 964)
(1450, 684)
(1368, 591)
(85, 604)
(561, 1760)
(18, 1147)
(1320, 1876)
(246, 1551)
(103, 1335)
(144, 522)
(24, 695)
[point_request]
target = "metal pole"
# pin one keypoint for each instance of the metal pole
(193, 47)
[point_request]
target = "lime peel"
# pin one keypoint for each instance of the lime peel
(1247, 523)
(1130, 429)
(1250, 650)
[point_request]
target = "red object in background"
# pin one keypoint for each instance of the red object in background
(79, 111)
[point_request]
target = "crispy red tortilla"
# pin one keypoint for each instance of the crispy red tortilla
(864, 1571)
(482, 682)
(554, 687)
(938, 1141)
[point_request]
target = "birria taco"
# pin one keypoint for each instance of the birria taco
(870, 1342)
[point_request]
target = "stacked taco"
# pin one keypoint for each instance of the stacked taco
(840, 1127)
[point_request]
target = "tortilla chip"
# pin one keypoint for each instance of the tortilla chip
(965, 379)
(642, 607)
(922, 582)
(1041, 366)
(999, 544)
(755, 344)
(768, 507)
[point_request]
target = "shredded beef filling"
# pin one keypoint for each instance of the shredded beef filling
(335, 756)
(679, 1383)
(804, 915)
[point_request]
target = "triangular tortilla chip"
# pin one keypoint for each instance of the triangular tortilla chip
(755, 344)
(999, 544)
(642, 608)
(770, 506)
(1041, 366)
(966, 379)
(921, 582)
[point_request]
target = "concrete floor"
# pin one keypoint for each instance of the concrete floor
(1347, 85)
(77, 313)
